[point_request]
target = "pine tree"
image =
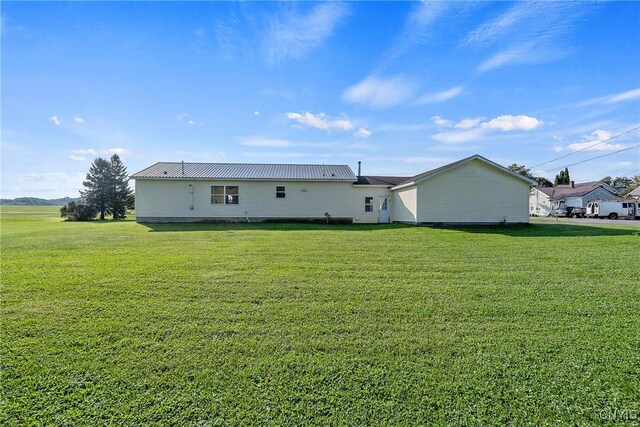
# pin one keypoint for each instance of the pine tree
(98, 186)
(121, 195)
(562, 178)
(107, 188)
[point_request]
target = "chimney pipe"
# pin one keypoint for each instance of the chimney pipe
(183, 167)
(573, 184)
(359, 167)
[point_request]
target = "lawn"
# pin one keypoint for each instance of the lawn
(120, 323)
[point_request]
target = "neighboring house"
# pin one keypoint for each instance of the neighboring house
(544, 200)
(473, 190)
(635, 193)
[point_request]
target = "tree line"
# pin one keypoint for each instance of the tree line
(106, 192)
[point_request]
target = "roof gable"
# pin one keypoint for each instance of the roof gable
(246, 171)
(578, 190)
(429, 174)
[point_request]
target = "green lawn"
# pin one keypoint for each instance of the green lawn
(120, 323)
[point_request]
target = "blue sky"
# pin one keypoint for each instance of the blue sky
(404, 87)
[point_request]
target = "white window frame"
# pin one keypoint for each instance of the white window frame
(368, 205)
(227, 197)
(279, 192)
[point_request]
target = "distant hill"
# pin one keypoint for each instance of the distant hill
(34, 201)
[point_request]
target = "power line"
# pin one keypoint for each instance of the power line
(586, 148)
(594, 158)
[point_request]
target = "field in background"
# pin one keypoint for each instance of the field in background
(116, 322)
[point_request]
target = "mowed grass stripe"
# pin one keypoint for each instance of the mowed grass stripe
(272, 324)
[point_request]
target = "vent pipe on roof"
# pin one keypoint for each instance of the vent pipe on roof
(183, 168)
(359, 168)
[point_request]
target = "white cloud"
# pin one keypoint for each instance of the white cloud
(558, 148)
(474, 129)
(363, 133)
(532, 32)
(622, 165)
(256, 113)
(417, 27)
(258, 141)
(184, 117)
(615, 98)
(293, 35)
(513, 54)
(491, 31)
(597, 136)
(320, 121)
(624, 96)
(467, 123)
(457, 137)
(509, 122)
(438, 97)
(56, 121)
(82, 155)
(118, 151)
(380, 93)
(84, 152)
(440, 122)
(78, 120)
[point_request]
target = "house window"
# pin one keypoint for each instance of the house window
(280, 193)
(224, 195)
(368, 204)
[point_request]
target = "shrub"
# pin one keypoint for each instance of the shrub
(78, 211)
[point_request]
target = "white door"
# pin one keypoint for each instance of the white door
(383, 211)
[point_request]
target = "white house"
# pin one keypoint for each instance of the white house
(473, 190)
(544, 200)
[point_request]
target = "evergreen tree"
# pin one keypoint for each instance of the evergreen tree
(97, 186)
(543, 182)
(107, 188)
(520, 170)
(562, 178)
(121, 195)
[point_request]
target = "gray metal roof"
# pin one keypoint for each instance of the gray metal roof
(246, 171)
(577, 190)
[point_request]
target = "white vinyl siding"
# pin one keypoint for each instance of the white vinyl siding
(170, 199)
(359, 193)
(539, 203)
(404, 205)
(473, 192)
